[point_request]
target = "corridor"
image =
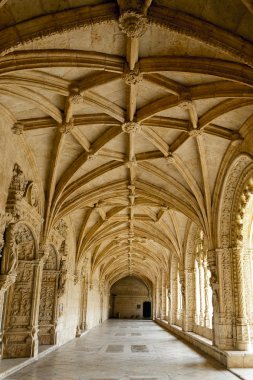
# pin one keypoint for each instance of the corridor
(125, 350)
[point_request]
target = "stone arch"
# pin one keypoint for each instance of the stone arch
(48, 298)
(230, 255)
(222, 232)
(242, 211)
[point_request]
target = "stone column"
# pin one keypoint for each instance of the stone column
(157, 299)
(168, 298)
(84, 299)
(206, 287)
(182, 312)
(196, 315)
(201, 292)
(189, 298)
(163, 296)
(242, 328)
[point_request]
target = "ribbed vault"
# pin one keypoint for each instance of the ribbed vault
(126, 134)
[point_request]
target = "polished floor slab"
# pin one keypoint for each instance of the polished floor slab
(114, 351)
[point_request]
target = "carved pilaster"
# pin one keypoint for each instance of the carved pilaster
(48, 297)
(242, 328)
(20, 322)
(189, 300)
(206, 287)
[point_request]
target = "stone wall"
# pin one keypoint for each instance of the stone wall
(127, 297)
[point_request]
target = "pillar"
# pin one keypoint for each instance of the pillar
(206, 287)
(189, 300)
(201, 291)
(242, 328)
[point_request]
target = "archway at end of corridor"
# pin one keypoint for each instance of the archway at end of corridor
(130, 298)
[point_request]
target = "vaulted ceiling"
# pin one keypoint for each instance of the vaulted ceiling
(128, 117)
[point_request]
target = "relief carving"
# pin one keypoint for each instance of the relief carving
(48, 299)
(62, 278)
(133, 17)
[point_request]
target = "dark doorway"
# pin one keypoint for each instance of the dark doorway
(146, 309)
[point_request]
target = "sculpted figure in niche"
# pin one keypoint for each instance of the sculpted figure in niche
(10, 252)
(62, 277)
(16, 303)
(18, 182)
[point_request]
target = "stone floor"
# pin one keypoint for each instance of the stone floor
(125, 350)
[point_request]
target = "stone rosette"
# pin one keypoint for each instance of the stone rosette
(131, 126)
(133, 23)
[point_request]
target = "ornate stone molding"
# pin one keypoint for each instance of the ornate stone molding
(212, 266)
(6, 280)
(23, 201)
(131, 126)
(245, 196)
(226, 199)
(44, 249)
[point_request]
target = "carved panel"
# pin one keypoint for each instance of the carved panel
(25, 243)
(18, 337)
(48, 299)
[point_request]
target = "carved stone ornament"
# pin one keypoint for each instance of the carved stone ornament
(66, 126)
(245, 196)
(6, 281)
(211, 263)
(132, 76)
(62, 228)
(5, 219)
(17, 128)
(32, 195)
(133, 23)
(185, 104)
(195, 132)
(75, 97)
(10, 252)
(62, 278)
(131, 126)
(133, 20)
(18, 184)
(170, 159)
